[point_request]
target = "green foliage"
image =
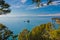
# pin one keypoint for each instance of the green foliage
(36, 1)
(39, 2)
(4, 7)
(49, 2)
(42, 32)
(5, 33)
(23, 35)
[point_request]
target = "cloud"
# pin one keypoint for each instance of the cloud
(21, 15)
(55, 3)
(17, 3)
(57, 14)
(35, 7)
(44, 5)
(23, 1)
(31, 7)
(16, 6)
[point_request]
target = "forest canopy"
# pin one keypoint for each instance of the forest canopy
(41, 32)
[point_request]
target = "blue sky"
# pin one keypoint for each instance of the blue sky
(26, 8)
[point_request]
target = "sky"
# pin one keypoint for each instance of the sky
(26, 8)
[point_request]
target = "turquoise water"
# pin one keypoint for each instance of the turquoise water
(17, 24)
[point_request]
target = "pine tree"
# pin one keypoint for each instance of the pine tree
(4, 7)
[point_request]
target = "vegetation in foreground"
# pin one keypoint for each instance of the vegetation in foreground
(6, 34)
(43, 32)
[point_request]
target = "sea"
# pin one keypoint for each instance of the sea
(17, 24)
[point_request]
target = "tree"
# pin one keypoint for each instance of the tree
(14, 37)
(5, 33)
(39, 3)
(41, 32)
(4, 7)
(23, 35)
(49, 2)
(37, 33)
